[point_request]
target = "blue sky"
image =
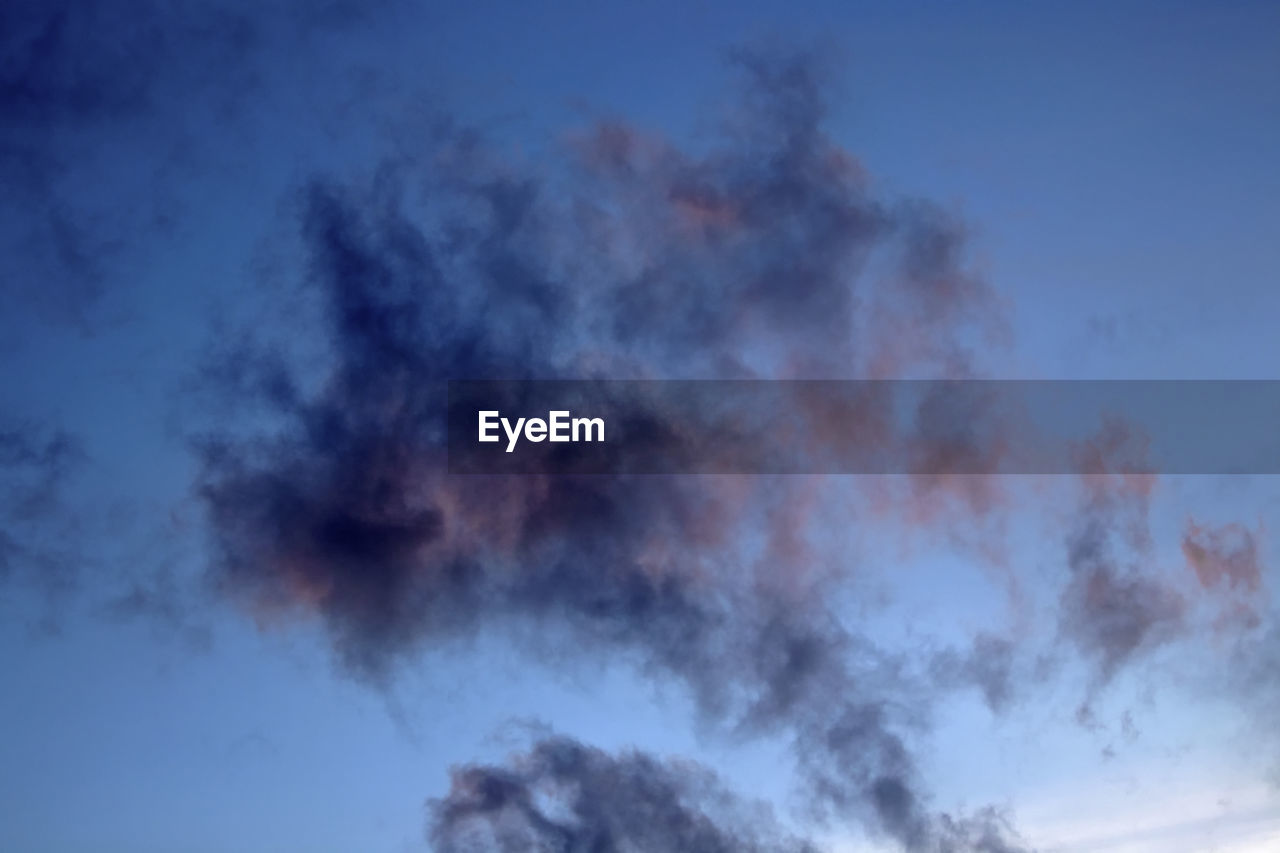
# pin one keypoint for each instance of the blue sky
(1109, 167)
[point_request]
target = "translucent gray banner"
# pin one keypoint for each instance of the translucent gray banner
(928, 427)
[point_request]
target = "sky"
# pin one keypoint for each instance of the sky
(243, 605)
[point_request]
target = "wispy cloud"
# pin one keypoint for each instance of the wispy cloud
(769, 255)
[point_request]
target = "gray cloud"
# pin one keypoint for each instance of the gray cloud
(565, 796)
(102, 102)
(36, 465)
(1115, 607)
(757, 258)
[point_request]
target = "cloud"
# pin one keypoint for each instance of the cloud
(638, 259)
(1112, 614)
(1251, 678)
(37, 461)
(102, 103)
(1227, 564)
(563, 795)
(1113, 609)
(36, 464)
(1223, 556)
(989, 664)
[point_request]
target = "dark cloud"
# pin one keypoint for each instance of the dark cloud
(100, 103)
(36, 462)
(990, 664)
(637, 259)
(41, 546)
(565, 796)
(74, 66)
(1114, 607)
(988, 831)
(1112, 614)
